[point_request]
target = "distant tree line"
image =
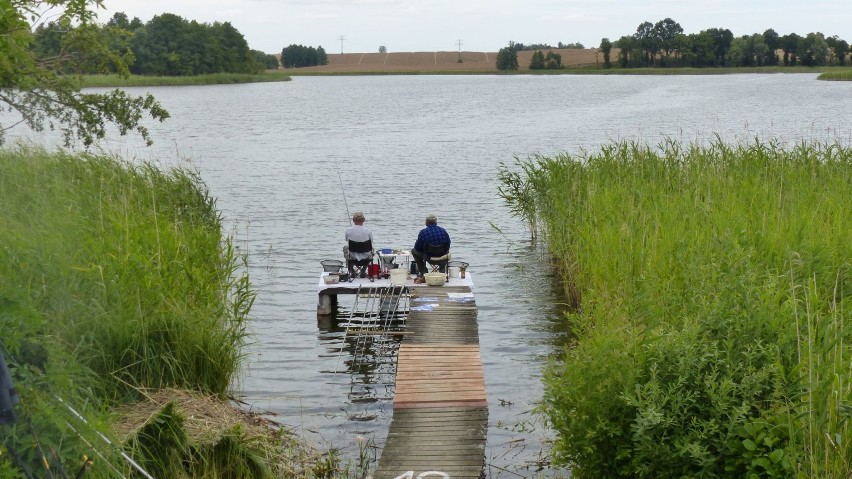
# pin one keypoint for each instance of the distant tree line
(520, 47)
(297, 56)
(507, 57)
(663, 44)
(551, 61)
(166, 45)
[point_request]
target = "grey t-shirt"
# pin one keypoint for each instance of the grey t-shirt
(358, 233)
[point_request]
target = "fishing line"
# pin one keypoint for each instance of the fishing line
(82, 419)
(349, 322)
(343, 190)
(124, 455)
(362, 331)
(393, 298)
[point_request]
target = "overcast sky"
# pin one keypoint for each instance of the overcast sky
(483, 25)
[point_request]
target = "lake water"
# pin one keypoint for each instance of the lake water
(289, 161)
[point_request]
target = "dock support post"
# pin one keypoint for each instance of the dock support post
(325, 304)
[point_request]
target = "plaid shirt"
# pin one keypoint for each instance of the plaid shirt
(434, 235)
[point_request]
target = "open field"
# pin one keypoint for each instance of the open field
(574, 60)
(413, 62)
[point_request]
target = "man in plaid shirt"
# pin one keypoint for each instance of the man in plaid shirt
(429, 240)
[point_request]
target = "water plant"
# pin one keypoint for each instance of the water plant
(711, 336)
(116, 280)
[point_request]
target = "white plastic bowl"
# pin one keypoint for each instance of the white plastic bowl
(435, 279)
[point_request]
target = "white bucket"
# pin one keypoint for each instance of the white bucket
(398, 276)
(455, 272)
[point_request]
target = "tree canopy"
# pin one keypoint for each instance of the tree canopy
(166, 45)
(664, 44)
(540, 61)
(297, 56)
(173, 46)
(537, 61)
(507, 58)
(39, 87)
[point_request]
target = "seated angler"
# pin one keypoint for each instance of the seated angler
(432, 242)
(359, 246)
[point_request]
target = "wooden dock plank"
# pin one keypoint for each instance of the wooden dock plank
(419, 441)
(415, 384)
(440, 417)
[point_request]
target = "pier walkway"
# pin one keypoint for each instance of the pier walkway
(440, 411)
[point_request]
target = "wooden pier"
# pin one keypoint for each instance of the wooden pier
(440, 411)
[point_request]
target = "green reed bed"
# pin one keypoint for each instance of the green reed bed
(109, 81)
(116, 281)
(837, 75)
(709, 288)
(129, 266)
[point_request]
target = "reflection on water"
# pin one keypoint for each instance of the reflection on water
(363, 336)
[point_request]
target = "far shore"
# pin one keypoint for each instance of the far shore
(574, 61)
(588, 61)
(447, 61)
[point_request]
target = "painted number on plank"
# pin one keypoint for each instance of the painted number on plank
(422, 475)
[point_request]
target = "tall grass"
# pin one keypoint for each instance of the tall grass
(114, 278)
(129, 266)
(710, 320)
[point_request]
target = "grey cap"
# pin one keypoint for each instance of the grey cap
(431, 220)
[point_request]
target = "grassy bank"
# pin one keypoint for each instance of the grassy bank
(838, 75)
(117, 285)
(110, 81)
(695, 71)
(296, 73)
(710, 289)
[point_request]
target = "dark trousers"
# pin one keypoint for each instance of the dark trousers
(420, 261)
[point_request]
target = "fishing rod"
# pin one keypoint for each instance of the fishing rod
(343, 190)
(8, 416)
(129, 460)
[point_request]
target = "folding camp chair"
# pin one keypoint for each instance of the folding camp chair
(359, 266)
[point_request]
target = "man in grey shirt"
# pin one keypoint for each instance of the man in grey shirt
(358, 233)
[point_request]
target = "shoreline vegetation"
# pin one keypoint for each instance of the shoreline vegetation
(826, 73)
(114, 80)
(352, 68)
(709, 289)
(837, 75)
(588, 61)
(121, 298)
